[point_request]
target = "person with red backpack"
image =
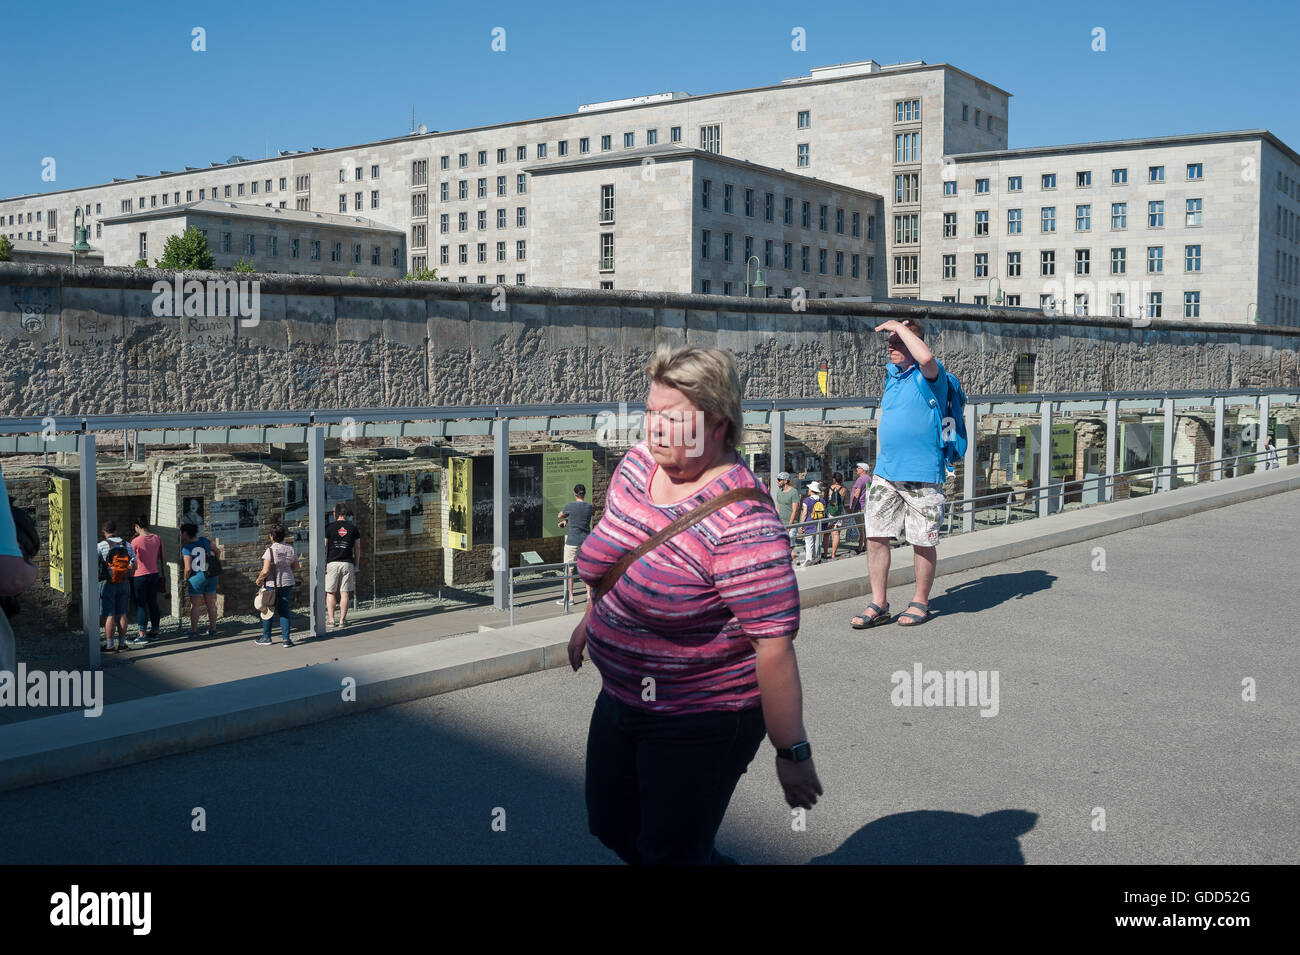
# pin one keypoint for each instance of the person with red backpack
(117, 562)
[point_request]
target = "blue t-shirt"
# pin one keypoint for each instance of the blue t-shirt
(910, 426)
(188, 550)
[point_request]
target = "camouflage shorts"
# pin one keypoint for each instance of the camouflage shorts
(908, 510)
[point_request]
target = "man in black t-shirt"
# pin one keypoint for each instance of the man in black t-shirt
(342, 561)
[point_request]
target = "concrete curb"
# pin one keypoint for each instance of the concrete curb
(70, 744)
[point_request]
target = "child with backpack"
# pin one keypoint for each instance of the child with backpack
(921, 434)
(117, 562)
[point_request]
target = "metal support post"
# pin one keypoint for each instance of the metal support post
(1167, 480)
(1112, 448)
(1263, 431)
(89, 546)
(501, 513)
(316, 525)
(1218, 439)
(1044, 458)
(776, 421)
(968, 470)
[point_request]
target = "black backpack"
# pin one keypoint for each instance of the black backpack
(29, 542)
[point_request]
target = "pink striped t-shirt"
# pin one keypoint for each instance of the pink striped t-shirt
(685, 612)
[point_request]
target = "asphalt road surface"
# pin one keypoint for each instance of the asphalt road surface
(1121, 736)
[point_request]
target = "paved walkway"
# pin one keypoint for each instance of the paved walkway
(1120, 691)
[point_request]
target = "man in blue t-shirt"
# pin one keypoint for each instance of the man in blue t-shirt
(905, 499)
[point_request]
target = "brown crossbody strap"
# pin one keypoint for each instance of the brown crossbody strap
(689, 519)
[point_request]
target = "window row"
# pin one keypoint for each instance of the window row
(270, 246)
(481, 189)
(1193, 211)
(710, 138)
(828, 260)
(481, 252)
(1082, 179)
(481, 220)
(733, 288)
(358, 174)
(1155, 262)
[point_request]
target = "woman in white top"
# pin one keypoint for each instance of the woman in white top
(279, 561)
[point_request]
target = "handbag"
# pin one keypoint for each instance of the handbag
(689, 519)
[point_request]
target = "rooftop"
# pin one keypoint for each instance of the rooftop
(1186, 139)
(243, 210)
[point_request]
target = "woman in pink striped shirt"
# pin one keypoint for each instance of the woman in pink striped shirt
(694, 641)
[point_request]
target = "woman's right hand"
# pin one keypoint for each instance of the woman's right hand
(799, 782)
(578, 643)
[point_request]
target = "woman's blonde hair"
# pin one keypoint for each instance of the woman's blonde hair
(707, 377)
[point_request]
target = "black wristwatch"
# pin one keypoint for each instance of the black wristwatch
(796, 753)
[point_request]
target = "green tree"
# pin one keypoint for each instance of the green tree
(188, 251)
(141, 263)
(423, 275)
(244, 266)
(6, 249)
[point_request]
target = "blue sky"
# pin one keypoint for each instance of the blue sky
(114, 89)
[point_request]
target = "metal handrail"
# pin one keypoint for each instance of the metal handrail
(568, 570)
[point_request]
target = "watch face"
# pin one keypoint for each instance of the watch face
(801, 751)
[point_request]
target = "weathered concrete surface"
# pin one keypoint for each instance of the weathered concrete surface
(85, 341)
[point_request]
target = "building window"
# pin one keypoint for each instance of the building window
(1082, 180)
(1155, 259)
(853, 266)
(1156, 214)
(481, 251)
(804, 258)
(855, 225)
(343, 202)
(821, 218)
(839, 221)
(584, 144)
(1048, 219)
(521, 217)
(1082, 262)
(965, 113)
(501, 218)
(1116, 304)
(374, 198)
(821, 261)
(144, 244)
(443, 224)
(904, 269)
(907, 229)
(907, 111)
(705, 286)
(462, 221)
(501, 185)
(442, 254)
(767, 253)
(314, 250)
(787, 211)
(907, 147)
(482, 219)
(981, 187)
(356, 202)
(1118, 261)
(1155, 304)
(356, 253)
(1156, 173)
(336, 254)
(1194, 170)
(675, 134)
(1015, 183)
(1193, 212)
(606, 251)
(749, 203)
(521, 250)
(293, 248)
(419, 204)
(704, 243)
(982, 222)
(501, 251)
(769, 207)
(1081, 305)
(1047, 263)
(1118, 216)
(1083, 218)
(1013, 222)
(801, 156)
(1191, 305)
(607, 203)
(1119, 177)
(1013, 265)
(787, 255)
(705, 197)
(711, 138)
(726, 246)
(726, 197)
(949, 188)
(482, 187)
(562, 147)
(420, 171)
(629, 140)
(981, 265)
(521, 183)
(1192, 258)
(652, 137)
(462, 189)
(1049, 180)
(806, 214)
(805, 119)
(950, 225)
(463, 252)
(605, 142)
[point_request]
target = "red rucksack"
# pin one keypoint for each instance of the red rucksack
(117, 563)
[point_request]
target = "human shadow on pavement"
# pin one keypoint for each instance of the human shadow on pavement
(985, 593)
(934, 837)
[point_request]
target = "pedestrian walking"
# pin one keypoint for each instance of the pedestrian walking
(905, 499)
(145, 585)
(200, 576)
(1270, 454)
(786, 497)
(857, 501)
(576, 517)
(812, 510)
(342, 562)
(117, 562)
(279, 561)
(693, 612)
(835, 498)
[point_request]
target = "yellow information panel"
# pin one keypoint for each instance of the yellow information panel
(460, 514)
(561, 470)
(60, 532)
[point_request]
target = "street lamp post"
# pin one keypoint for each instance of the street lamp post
(994, 301)
(758, 275)
(79, 235)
